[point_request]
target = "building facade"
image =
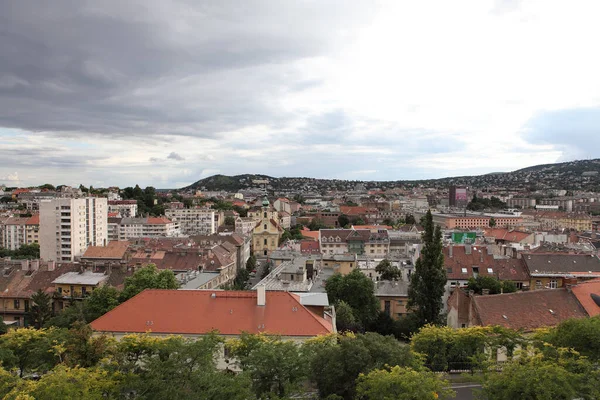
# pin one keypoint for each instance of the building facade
(69, 226)
(193, 221)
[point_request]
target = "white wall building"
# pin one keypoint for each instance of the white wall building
(125, 208)
(14, 233)
(130, 228)
(69, 226)
(193, 221)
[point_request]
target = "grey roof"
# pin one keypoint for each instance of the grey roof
(391, 288)
(313, 299)
(561, 263)
(200, 279)
(80, 278)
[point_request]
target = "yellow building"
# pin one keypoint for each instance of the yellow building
(340, 263)
(266, 234)
(392, 296)
(77, 285)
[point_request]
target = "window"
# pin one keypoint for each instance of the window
(538, 284)
(553, 284)
(519, 285)
(291, 277)
(387, 307)
(463, 270)
(448, 270)
(265, 227)
(265, 215)
(17, 304)
(490, 271)
(265, 242)
(400, 302)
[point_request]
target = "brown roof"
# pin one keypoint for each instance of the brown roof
(114, 250)
(528, 310)
(584, 291)
(34, 220)
(469, 257)
(202, 311)
(23, 284)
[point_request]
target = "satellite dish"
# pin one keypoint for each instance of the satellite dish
(596, 298)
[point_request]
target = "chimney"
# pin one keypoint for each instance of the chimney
(261, 299)
(471, 293)
(467, 249)
(25, 265)
(450, 250)
(51, 265)
(480, 256)
(485, 292)
(35, 265)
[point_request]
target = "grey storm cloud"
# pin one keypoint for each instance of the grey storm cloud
(157, 67)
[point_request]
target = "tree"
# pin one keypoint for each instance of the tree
(334, 368)
(41, 310)
(230, 220)
(27, 349)
(100, 301)
(358, 221)
(358, 291)
(387, 271)
(428, 281)
(3, 327)
(534, 377)
(316, 224)
(343, 220)
(148, 277)
(410, 219)
(251, 263)
(344, 317)
(583, 335)
(240, 281)
(275, 366)
(402, 383)
(492, 222)
(266, 269)
(484, 282)
(508, 287)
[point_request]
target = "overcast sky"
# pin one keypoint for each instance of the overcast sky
(164, 93)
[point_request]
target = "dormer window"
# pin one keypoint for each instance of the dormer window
(337, 239)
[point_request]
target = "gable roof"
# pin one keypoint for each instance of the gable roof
(202, 311)
(583, 291)
(528, 310)
(506, 234)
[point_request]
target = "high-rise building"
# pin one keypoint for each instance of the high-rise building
(69, 226)
(458, 197)
(193, 221)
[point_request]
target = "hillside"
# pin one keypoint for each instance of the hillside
(572, 175)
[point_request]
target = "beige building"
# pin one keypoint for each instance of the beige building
(266, 234)
(14, 233)
(69, 226)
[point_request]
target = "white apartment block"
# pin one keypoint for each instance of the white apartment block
(69, 226)
(125, 208)
(193, 221)
(14, 233)
(131, 228)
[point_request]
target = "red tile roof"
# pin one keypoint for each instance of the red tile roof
(355, 210)
(314, 235)
(528, 310)
(158, 221)
(310, 247)
(33, 220)
(506, 234)
(202, 311)
(583, 291)
(502, 268)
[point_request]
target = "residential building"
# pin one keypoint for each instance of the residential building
(392, 296)
(282, 204)
(554, 270)
(68, 226)
(32, 227)
(14, 233)
(78, 285)
(373, 242)
(130, 228)
(125, 208)
(195, 313)
(245, 225)
(525, 311)
(457, 197)
(470, 221)
(114, 252)
(193, 221)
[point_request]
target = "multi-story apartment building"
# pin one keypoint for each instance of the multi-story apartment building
(130, 228)
(14, 233)
(372, 242)
(245, 225)
(193, 221)
(69, 226)
(32, 227)
(125, 208)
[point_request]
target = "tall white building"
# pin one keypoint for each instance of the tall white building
(69, 226)
(193, 221)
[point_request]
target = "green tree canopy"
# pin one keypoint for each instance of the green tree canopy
(428, 281)
(343, 220)
(344, 317)
(358, 291)
(387, 271)
(402, 383)
(148, 277)
(41, 310)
